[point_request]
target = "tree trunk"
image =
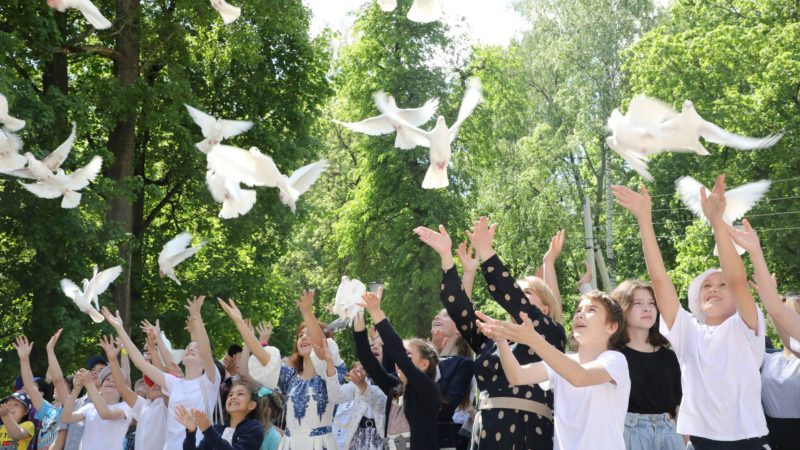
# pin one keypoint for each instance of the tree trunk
(122, 143)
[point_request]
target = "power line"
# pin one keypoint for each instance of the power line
(683, 235)
(773, 182)
(768, 200)
(749, 216)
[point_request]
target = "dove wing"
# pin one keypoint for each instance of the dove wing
(102, 280)
(649, 111)
(416, 135)
(92, 14)
(373, 126)
(81, 178)
(419, 116)
(20, 173)
(182, 256)
(231, 128)
(717, 135)
(303, 178)
(742, 199)
(3, 106)
(42, 190)
(472, 98)
(69, 287)
(174, 246)
(689, 190)
(233, 163)
(204, 121)
(54, 160)
(228, 12)
(636, 160)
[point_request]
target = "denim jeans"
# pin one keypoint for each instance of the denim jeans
(651, 432)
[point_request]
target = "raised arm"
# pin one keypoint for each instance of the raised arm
(306, 305)
(248, 336)
(105, 411)
(640, 206)
(577, 374)
(138, 360)
(199, 335)
(767, 289)
(550, 276)
(371, 365)
(55, 368)
(112, 350)
(24, 349)
(729, 260)
(469, 264)
(159, 355)
(68, 414)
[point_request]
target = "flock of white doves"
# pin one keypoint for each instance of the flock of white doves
(648, 128)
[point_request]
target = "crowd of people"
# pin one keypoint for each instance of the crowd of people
(637, 371)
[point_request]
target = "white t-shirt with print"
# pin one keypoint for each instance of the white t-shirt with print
(592, 416)
(151, 423)
(101, 434)
(719, 376)
(199, 393)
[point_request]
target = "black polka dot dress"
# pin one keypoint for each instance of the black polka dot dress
(506, 429)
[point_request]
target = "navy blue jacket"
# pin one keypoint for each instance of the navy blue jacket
(248, 436)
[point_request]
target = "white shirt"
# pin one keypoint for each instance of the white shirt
(719, 376)
(780, 389)
(592, 416)
(199, 393)
(151, 423)
(101, 434)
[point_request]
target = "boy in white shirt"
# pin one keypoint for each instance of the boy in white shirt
(591, 387)
(720, 345)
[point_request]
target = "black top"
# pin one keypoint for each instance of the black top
(455, 383)
(655, 381)
(421, 396)
(248, 435)
(489, 373)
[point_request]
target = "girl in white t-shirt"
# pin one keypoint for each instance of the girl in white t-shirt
(591, 387)
(720, 345)
(200, 386)
(106, 418)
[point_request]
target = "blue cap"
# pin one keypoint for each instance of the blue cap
(95, 360)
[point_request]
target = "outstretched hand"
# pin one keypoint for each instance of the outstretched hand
(638, 203)
(185, 418)
(556, 246)
(586, 278)
(469, 260)
(195, 305)
(372, 302)
(523, 333)
(747, 238)
(115, 320)
(230, 309)
(714, 203)
(306, 301)
(201, 419)
(23, 347)
(439, 241)
(264, 331)
(51, 344)
(110, 346)
(482, 237)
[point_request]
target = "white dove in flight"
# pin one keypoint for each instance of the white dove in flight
(440, 137)
(10, 145)
(65, 185)
(12, 123)
(228, 12)
(387, 5)
(86, 7)
(46, 168)
(425, 11)
(175, 252)
(215, 130)
(235, 200)
(301, 181)
(737, 201)
(384, 124)
(348, 299)
(86, 300)
(177, 355)
(250, 167)
(686, 129)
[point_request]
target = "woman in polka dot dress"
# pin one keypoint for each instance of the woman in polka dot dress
(509, 417)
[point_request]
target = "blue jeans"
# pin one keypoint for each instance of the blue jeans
(651, 432)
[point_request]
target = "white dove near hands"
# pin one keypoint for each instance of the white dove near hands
(65, 185)
(686, 129)
(425, 11)
(12, 123)
(10, 145)
(738, 201)
(87, 299)
(387, 5)
(86, 7)
(301, 181)
(348, 299)
(175, 252)
(177, 355)
(384, 123)
(215, 130)
(228, 12)
(235, 200)
(440, 137)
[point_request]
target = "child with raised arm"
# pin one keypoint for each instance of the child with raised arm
(591, 387)
(508, 416)
(47, 414)
(16, 431)
(198, 389)
(310, 384)
(720, 345)
(412, 405)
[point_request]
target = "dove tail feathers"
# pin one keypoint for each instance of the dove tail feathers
(235, 207)
(71, 199)
(96, 316)
(435, 178)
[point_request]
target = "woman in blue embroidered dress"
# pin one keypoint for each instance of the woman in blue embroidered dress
(310, 379)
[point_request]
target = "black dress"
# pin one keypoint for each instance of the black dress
(455, 384)
(503, 428)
